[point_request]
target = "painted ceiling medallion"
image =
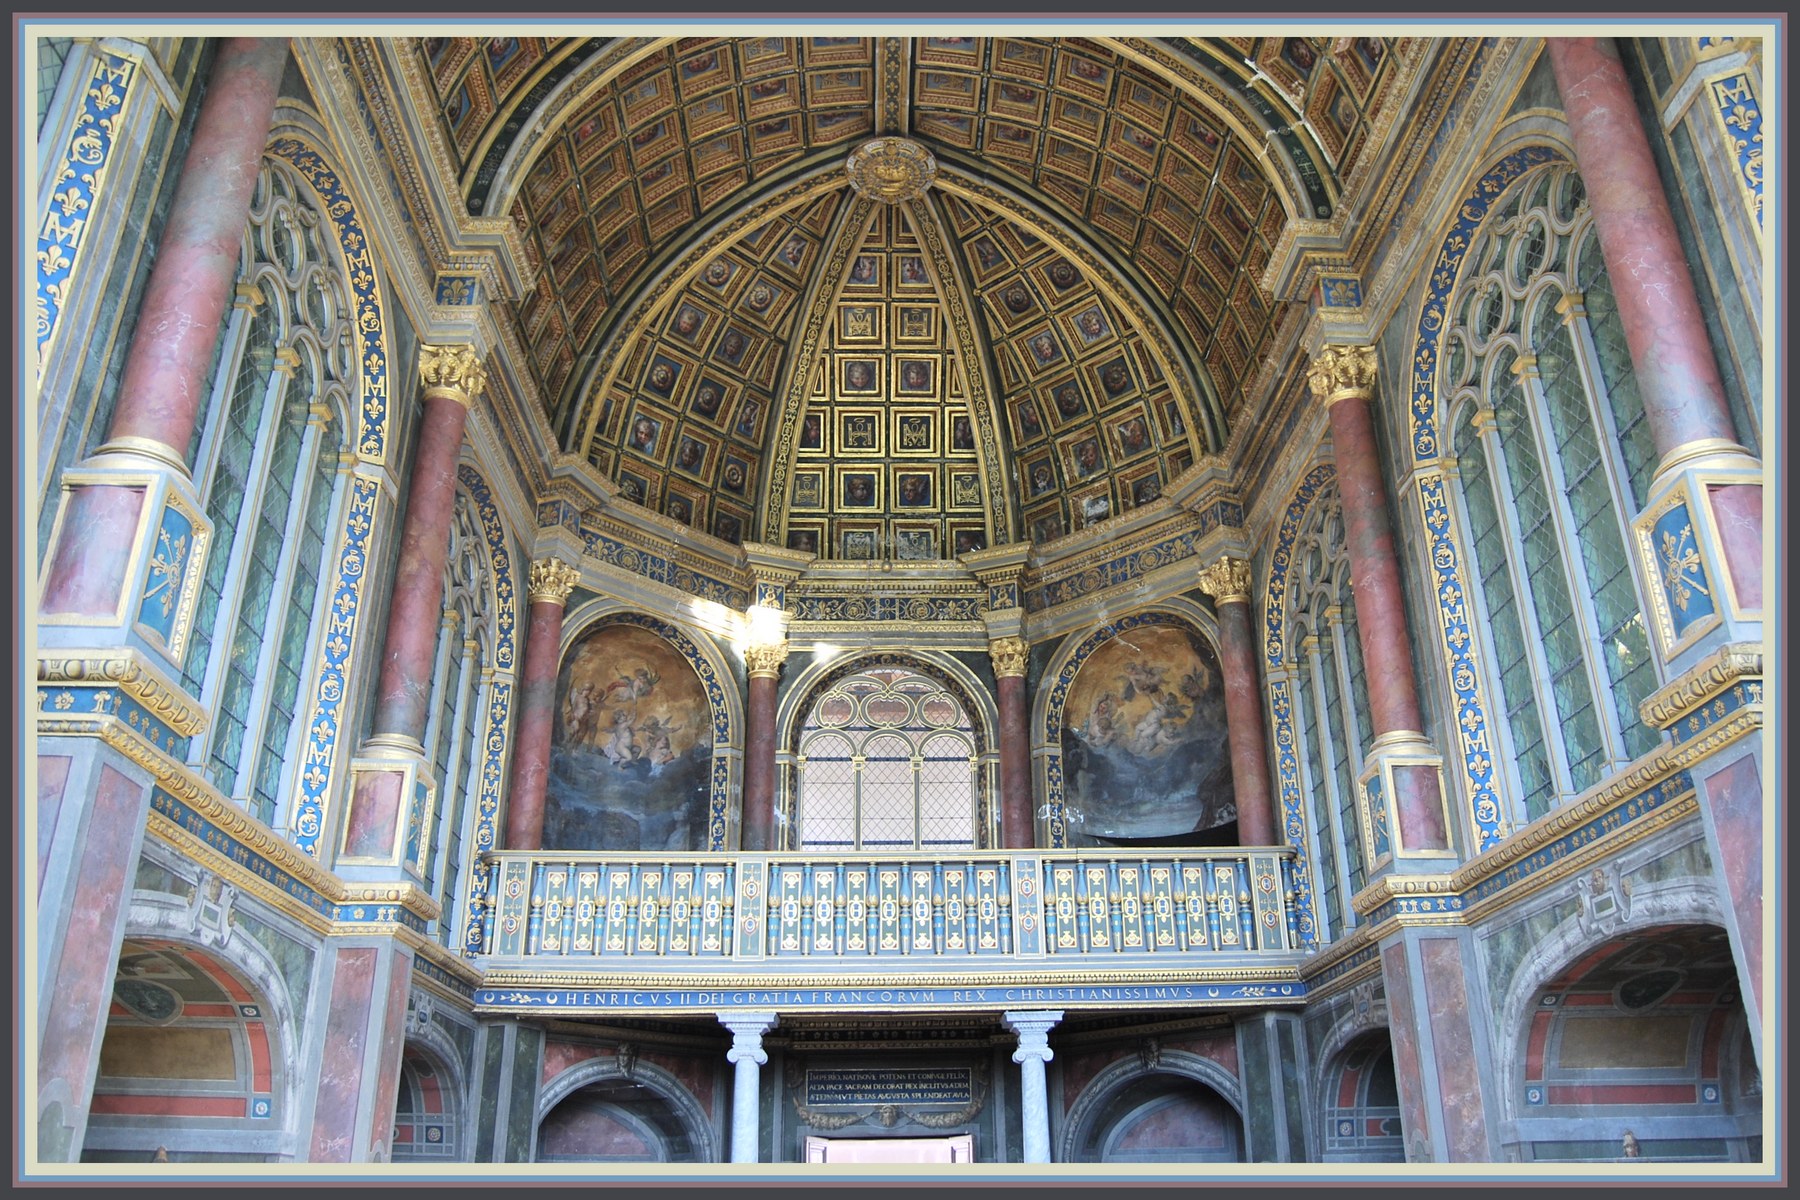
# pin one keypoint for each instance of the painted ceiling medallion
(891, 169)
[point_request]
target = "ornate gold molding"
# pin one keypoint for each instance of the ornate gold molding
(451, 373)
(1010, 655)
(1227, 581)
(129, 671)
(764, 661)
(552, 580)
(1701, 682)
(890, 169)
(1341, 372)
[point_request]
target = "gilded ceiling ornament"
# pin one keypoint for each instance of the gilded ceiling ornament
(552, 580)
(1227, 580)
(451, 373)
(890, 169)
(1009, 654)
(764, 660)
(1339, 372)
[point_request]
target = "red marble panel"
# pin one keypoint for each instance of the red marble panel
(560, 1056)
(1738, 511)
(374, 814)
(1453, 1045)
(87, 569)
(1734, 796)
(53, 777)
(1404, 1032)
(393, 1044)
(90, 940)
(340, 1070)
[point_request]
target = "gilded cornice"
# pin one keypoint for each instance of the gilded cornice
(1279, 969)
(1701, 683)
(129, 670)
(237, 837)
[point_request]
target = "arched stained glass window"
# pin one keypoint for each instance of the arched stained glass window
(1554, 458)
(268, 457)
(1331, 706)
(887, 761)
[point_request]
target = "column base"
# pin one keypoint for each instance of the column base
(1698, 546)
(392, 804)
(125, 559)
(1405, 817)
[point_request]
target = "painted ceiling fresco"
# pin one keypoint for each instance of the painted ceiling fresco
(1113, 359)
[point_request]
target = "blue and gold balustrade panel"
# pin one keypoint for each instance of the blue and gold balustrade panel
(985, 907)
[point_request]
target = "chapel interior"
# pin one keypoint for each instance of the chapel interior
(1181, 602)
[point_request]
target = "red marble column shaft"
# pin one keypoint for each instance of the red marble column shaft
(1244, 725)
(758, 833)
(403, 691)
(1374, 571)
(531, 741)
(1677, 376)
(1018, 826)
(165, 375)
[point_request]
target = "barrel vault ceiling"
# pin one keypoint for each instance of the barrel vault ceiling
(1059, 328)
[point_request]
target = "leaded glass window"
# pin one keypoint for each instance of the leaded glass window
(1554, 458)
(887, 761)
(268, 457)
(1330, 704)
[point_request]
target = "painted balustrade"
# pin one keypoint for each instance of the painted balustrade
(987, 907)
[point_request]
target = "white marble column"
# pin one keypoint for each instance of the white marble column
(747, 1029)
(1034, 1051)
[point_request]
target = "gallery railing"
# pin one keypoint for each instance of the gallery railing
(1188, 905)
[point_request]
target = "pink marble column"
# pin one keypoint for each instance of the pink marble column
(1343, 377)
(1018, 827)
(551, 581)
(1677, 376)
(452, 377)
(1228, 583)
(164, 381)
(178, 321)
(758, 830)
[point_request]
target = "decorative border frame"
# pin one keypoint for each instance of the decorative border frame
(77, 185)
(1477, 775)
(1281, 700)
(306, 822)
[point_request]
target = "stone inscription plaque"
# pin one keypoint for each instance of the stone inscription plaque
(838, 1088)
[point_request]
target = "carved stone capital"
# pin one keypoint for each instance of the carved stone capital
(1227, 581)
(1009, 655)
(552, 580)
(451, 373)
(764, 661)
(1341, 372)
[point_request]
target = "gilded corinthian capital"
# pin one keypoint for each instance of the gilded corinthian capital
(552, 580)
(1340, 372)
(1009, 655)
(764, 660)
(451, 373)
(1227, 580)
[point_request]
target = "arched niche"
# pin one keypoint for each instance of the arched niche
(1182, 1108)
(604, 1110)
(638, 757)
(1359, 1113)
